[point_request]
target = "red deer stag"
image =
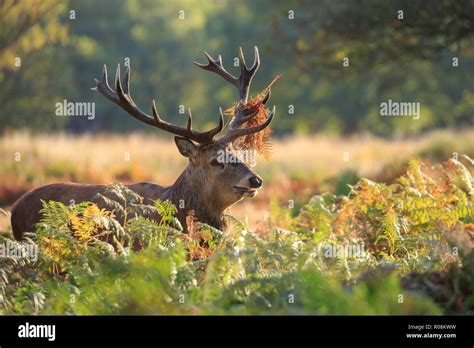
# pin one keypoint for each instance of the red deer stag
(208, 185)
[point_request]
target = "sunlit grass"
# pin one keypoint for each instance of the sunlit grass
(298, 168)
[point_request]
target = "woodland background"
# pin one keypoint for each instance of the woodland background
(403, 60)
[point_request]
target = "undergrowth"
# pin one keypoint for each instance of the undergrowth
(404, 248)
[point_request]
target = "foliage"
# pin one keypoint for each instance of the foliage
(397, 30)
(399, 50)
(403, 60)
(29, 32)
(339, 255)
(406, 222)
(24, 29)
(259, 141)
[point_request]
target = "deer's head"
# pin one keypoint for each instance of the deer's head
(214, 164)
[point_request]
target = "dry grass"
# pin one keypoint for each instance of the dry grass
(299, 166)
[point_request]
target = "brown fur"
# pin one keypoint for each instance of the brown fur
(202, 188)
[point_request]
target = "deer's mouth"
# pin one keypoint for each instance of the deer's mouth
(247, 192)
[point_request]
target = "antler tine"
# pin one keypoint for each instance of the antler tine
(216, 66)
(121, 96)
(103, 87)
(190, 120)
(248, 114)
(242, 83)
(118, 84)
(126, 82)
(246, 74)
(219, 127)
(267, 97)
(243, 64)
(234, 133)
(245, 79)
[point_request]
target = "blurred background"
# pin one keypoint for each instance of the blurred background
(338, 60)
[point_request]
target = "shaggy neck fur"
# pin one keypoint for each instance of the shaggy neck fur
(193, 193)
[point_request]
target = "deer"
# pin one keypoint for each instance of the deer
(207, 187)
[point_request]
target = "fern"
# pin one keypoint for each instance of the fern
(121, 256)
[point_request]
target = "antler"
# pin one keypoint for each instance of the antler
(121, 96)
(242, 83)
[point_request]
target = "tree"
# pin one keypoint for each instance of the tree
(27, 31)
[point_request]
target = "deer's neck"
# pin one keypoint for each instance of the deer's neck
(192, 194)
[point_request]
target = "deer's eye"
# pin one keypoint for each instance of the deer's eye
(216, 163)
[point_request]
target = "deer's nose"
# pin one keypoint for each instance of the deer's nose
(255, 182)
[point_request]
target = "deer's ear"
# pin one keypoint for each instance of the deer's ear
(186, 147)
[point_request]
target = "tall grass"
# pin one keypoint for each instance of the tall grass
(298, 168)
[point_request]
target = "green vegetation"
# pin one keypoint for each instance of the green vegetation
(364, 253)
(63, 46)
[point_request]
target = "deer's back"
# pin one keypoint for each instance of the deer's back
(26, 211)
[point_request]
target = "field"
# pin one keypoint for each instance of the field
(360, 225)
(298, 168)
